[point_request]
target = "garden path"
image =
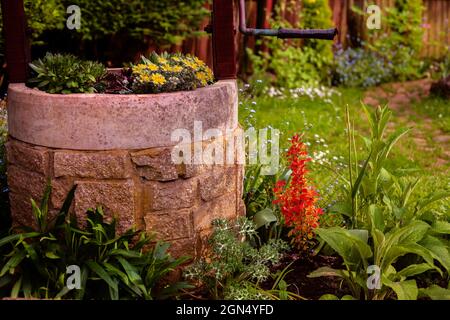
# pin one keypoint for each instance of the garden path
(400, 96)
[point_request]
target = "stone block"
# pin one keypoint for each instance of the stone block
(116, 198)
(170, 195)
(155, 164)
(217, 182)
(100, 165)
(32, 158)
(169, 225)
(223, 207)
(27, 183)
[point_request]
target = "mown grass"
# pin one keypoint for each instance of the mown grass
(324, 129)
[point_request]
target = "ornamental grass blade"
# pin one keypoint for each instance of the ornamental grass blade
(362, 172)
(101, 272)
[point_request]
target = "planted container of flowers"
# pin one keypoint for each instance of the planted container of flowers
(134, 141)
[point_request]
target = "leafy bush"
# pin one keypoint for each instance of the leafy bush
(112, 266)
(295, 65)
(389, 54)
(57, 73)
(166, 22)
(360, 68)
(234, 268)
(404, 238)
(170, 72)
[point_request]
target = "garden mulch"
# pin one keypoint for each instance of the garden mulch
(310, 288)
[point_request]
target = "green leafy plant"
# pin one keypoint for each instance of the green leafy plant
(169, 72)
(384, 251)
(258, 198)
(404, 238)
(297, 64)
(166, 22)
(234, 268)
(58, 73)
(113, 266)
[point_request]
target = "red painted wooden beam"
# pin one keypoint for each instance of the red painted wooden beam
(223, 39)
(17, 48)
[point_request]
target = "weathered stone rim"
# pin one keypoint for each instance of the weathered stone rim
(112, 121)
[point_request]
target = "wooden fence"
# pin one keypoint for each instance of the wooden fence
(435, 24)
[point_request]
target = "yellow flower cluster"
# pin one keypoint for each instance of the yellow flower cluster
(170, 72)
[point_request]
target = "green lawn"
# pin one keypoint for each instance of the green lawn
(323, 125)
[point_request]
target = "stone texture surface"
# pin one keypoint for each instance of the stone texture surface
(155, 164)
(27, 183)
(170, 225)
(101, 165)
(116, 198)
(171, 195)
(27, 156)
(223, 207)
(110, 121)
(219, 181)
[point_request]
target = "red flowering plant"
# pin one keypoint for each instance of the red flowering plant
(297, 200)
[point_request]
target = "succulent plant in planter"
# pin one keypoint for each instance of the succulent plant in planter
(65, 73)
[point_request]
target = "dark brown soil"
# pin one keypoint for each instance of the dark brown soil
(311, 288)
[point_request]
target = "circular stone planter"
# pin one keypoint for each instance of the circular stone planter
(117, 149)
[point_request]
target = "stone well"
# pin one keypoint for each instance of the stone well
(117, 150)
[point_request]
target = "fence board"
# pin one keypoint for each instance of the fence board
(435, 23)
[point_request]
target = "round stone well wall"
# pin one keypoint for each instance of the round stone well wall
(117, 150)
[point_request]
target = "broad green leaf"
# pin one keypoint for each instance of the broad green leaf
(342, 207)
(394, 252)
(414, 269)
(350, 247)
(377, 217)
(264, 218)
(436, 293)
(442, 227)
(438, 249)
(405, 290)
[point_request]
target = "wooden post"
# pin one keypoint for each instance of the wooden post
(17, 48)
(223, 39)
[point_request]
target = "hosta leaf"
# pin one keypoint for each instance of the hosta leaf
(350, 247)
(438, 250)
(405, 290)
(414, 269)
(397, 251)
(377, 217)
(442, 227)
(435, 293)
(342, 207)
(264, 218)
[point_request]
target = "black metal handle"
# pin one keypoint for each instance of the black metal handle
(326, 34)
